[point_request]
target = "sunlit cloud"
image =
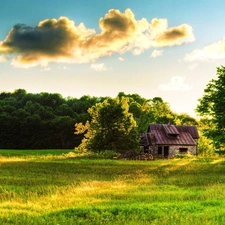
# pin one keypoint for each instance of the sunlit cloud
(213, 51)
(98, 67)
(61, 40)
(156, 53)
(162, 35)
(121, 59)
(176, 84)
(138, 51)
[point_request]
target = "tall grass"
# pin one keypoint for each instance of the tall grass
(67, 189)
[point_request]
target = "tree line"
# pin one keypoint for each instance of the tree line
(46, 120)
(38, 121)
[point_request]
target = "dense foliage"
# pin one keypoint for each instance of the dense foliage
(112, 127)
(36, 121)
(211, 106)
(45, 120)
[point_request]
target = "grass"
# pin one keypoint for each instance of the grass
(13, 152)
(70, 189)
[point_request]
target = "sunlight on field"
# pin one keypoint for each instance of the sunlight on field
(4, 159)
(219, 160)
(54, 189)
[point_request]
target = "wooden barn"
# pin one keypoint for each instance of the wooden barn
(166, 140)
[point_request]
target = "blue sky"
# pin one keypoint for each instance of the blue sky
(167, 49)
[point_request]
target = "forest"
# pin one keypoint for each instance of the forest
(46, 120)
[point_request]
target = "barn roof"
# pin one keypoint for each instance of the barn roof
(167, 134)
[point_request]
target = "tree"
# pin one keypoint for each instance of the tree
(147, 111)
(185, 119)
(112, 127)
(211, 106)
(45, 120)
(205, 146)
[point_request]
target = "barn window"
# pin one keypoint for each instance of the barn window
(183, 150)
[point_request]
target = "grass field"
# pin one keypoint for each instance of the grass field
(65, 188)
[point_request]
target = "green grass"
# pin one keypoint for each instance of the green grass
(72, 189)
(13, 152)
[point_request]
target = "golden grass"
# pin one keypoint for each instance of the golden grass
(180, 185)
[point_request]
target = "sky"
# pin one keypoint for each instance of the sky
(168, 48)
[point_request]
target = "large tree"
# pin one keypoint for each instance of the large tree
(112, 127)
(212, 106)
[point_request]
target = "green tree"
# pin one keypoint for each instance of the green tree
(112, 127)
(160, 112)
(205, 146)
(211, 105)
(185, 119)
(64, 127)
(147, 111)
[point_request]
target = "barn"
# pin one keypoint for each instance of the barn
(167, 140)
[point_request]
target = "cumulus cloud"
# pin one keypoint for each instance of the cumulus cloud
(98, 67)
(176, 84)
(156, 53)
(210, 52)
(61, 40)
(162, 35)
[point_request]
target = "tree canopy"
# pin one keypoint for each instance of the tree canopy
(112, 127)
(39, 121)
(211, 106)
(46, 120)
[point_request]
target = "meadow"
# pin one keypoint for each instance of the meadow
(61, 187)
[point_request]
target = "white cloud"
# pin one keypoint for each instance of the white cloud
(138, 51)
(121, 59)
(176, 84)
(156, 53)
(213, 51)
(98, 67)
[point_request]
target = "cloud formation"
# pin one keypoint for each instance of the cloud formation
(162, 35)
(156, 53)
(210, 52)
(60, 40)
(98, 67)
(176, 84)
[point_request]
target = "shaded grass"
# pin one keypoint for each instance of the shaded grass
(66, 189)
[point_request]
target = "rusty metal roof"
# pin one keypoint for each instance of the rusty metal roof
(170, 129)
(183, 138)
(166, 134)
(191, 129)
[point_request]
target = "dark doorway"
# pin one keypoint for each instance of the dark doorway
(160, 150)
(166, 151)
